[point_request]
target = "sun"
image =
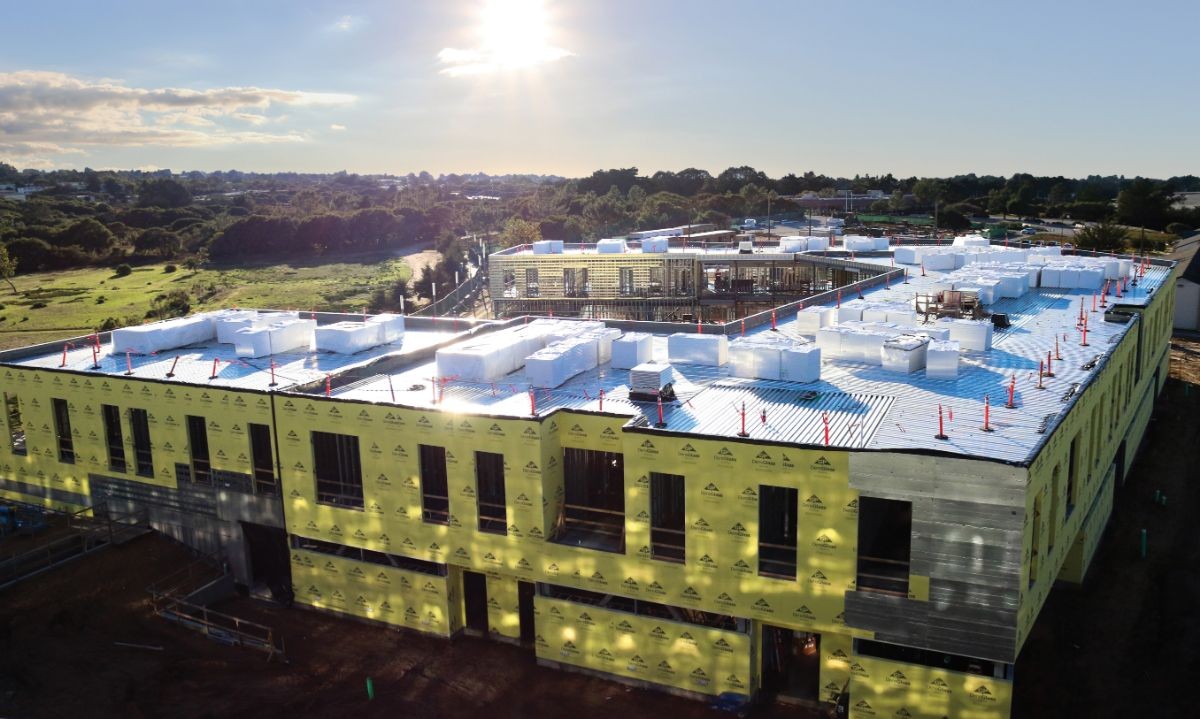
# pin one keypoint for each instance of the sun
(512, 35)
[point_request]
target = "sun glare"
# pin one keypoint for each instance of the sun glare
(512, 35)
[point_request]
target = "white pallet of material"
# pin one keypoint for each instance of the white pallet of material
(710, 350)
(902, 315)
(875, 313)
(347, 337)
(972, 334)
(811, 319)
(604, 337)
(1091, 278)
(941, 360)
(548, 247)
(649, 377)
(800, 363)
(230, 321)
(905, 353)
(818, 244)
(610, 246)
(1050, 277)
(1011, 285)
(656, 245)
(753, 360)
(941, 261)
(862, 347)
(1068, 277)
(988, 291)
(857, 243)
(851, 311)
(165, 335)
(484, 360)
(934, 332)
(792, 244)
(632, 349)
(882, 244)
(908, 255)
(391, 326)
(288, 335)
(829, 339)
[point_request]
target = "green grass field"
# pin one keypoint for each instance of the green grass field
(77, 301)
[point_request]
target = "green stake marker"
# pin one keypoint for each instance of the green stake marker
(371, 684)
(1143, 544)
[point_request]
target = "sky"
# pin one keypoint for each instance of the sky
(567, 87)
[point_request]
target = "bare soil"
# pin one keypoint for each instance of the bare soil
(1123, 644)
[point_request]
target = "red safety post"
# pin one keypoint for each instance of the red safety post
(941, 426)
(660, 424)
(214, 369)
(601, 399)
(887, 280)
(1093, 302)
(328, 385)
(1084, 343)
(176, 361)
(773, 328)
(825, 421)
(743, 326)
(1041, 369)
(743, 433)
(1104, 296)
(95, 356)
(922, 268)
(1057, 354)
(763, 417)
(273, 382)
(860, 292)
(442, 389)
(1120, 283)
(1081, 312)
(64, 357)
(128, 362)
(532, 402)
(393, 389)
(839, 298)
(1049, 364)
(987, 411)
(906, 275)
(1012, 392)
(699, 327)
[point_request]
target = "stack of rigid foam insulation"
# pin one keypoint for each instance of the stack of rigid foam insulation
(655, 244)
(710, 350)
(769, 355)
(905, 353)
(560, 361)
(941, 360)
(649, 377)
(632, 349)
(391, 326)
(285, 335)
(165, 335)
(228, 322)
(347, 337)
(610, 246)
(811, 319)
(972, 334)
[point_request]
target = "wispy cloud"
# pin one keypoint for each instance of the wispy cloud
(55, 113)
(348, 23)
(336, 127)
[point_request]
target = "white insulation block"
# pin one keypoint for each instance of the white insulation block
(710, 350)
(632, 349)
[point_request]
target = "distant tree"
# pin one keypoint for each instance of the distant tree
(880, 207)
(1103, 237)
(1060, 194)
(951, 219)
(87, 234)
(735, 178)
(163, 192)
(1144, 203)
(929, 191)
(1179, 229)
(31, 253)
(157, 241)
(8, 267)
(901, 202)
(519, 232)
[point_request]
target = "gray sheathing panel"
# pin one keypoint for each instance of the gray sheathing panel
(33, 490)
(967, 534)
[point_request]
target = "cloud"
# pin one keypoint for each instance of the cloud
(347, 23)
(64, 114)
(336, 127)
(513, 35)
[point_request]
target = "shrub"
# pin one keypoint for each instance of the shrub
(123, 270)
(37, 305)
(100, 300)
(170, 268)
(1178, 228)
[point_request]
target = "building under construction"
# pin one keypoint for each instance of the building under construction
(676, 279)
(840, 499)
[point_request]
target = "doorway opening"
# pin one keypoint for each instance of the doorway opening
(791, 663)
(475, 598)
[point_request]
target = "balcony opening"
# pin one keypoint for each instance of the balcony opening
(435, 491)
(489, 492)
(62, 431)
(667, 517)
(143, 458)
(337, 467)
(262, 459)
(16, 427)
(777, 531)
(113, 437)
(593, 515)
(198, 441)
(884, 545)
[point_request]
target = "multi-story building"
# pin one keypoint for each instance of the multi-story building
(888, 537)
(686, 281)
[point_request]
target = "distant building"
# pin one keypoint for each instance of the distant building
(1187, 297)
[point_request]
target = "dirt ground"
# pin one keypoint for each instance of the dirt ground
(1121, 645)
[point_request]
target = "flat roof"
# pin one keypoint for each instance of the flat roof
(867, 407)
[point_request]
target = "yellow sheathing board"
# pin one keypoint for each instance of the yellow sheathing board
(372, 591)
(836, 650)
(884, 689)
(1083, 549)
(673, 654)
(504, 616)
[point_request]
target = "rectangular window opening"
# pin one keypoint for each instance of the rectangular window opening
(489, 492)
(262, 459)
(777, 508)
(593, 514)
(198, 441)
(435, 489)
(62, 431)
(366, 555)
(143, 459)
(16, 427)
(338, 469)
(667, 532)
(884, 545)
(113, 437)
